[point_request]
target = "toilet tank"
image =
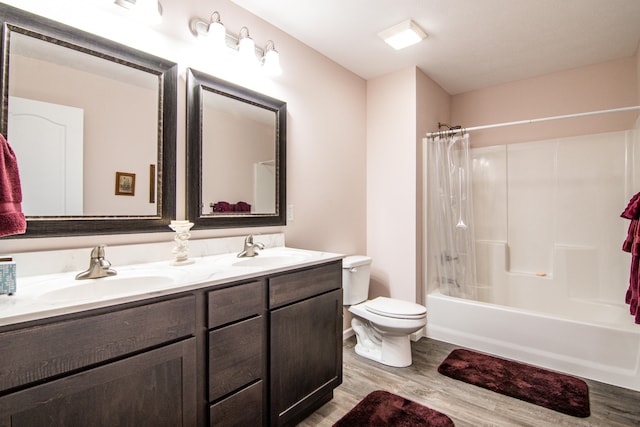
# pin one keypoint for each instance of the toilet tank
(356, 271)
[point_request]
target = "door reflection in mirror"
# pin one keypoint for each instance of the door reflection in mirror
(64, 176)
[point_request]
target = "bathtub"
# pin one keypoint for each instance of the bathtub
(601, 343)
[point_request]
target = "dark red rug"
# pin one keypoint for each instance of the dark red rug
(552, 390)
(382, 409)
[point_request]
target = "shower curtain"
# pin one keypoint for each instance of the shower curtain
(450, 227)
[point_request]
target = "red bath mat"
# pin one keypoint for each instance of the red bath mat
(552, 390)
(382, 409)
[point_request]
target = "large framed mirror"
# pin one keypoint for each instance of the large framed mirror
(236, 155)
(93, 126)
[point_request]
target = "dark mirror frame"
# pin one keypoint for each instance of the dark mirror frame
(13, 19)
(197, 84)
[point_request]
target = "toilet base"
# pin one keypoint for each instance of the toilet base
(390, 350)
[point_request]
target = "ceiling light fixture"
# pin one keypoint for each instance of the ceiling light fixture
(404, 34)
(242, 45)
(149, 11)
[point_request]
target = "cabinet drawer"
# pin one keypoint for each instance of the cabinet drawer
(299, 285)
(235, 356)
(236, 303)
(239, 410)
(36, 353)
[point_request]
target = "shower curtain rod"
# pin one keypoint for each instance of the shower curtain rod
(526, 122)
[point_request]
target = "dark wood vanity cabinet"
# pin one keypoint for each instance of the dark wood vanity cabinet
(130, 367)
(305, 310)
(264, 351)
(302, 346)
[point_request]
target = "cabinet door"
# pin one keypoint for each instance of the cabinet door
(156, 388)
(306, 356)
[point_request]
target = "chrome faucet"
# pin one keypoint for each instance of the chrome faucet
(250, 247)
(98, 266)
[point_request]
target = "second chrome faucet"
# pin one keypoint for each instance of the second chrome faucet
(250, 247)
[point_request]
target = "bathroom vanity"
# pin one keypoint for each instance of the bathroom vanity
(247, 345)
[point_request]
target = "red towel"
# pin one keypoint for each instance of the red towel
(632, 245)
(12, 220)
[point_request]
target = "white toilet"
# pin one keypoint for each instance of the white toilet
(382, 325)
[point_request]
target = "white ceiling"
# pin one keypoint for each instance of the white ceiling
(472, 43)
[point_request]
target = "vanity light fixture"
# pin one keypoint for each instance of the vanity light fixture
(404, 34)
(271, 60)
(214, 30)
(148, 10)
(242, 45)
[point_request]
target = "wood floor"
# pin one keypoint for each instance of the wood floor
(465, 404)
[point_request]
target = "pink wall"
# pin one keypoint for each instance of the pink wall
(401, 107)
(326, 129)
(391, 184)
(353, 147)
(638, 74)
(602, 86)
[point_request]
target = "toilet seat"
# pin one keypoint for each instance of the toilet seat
(395, 308)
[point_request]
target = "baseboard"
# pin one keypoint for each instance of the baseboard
(347, 333)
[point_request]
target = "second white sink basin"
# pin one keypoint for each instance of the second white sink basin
(269, 260)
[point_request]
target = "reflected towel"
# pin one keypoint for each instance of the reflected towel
(222, 207)
(242, 207)
(12, 220)
(632, 211)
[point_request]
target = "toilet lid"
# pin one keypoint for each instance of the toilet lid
(396, 308)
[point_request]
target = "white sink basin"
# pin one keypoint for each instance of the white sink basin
(124, 284)
(269, 260)
(266, 258)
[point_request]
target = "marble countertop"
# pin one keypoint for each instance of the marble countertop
(48, 295)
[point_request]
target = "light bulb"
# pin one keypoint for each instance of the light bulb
(247, 50)
(271, 64)
(218, 35)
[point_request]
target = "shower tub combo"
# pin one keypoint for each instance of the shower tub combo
(551, 275)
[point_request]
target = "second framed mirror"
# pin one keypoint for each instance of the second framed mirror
(236, 155)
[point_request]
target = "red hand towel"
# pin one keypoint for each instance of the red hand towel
(12, 220)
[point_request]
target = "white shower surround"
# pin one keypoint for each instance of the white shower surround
(551, 273)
